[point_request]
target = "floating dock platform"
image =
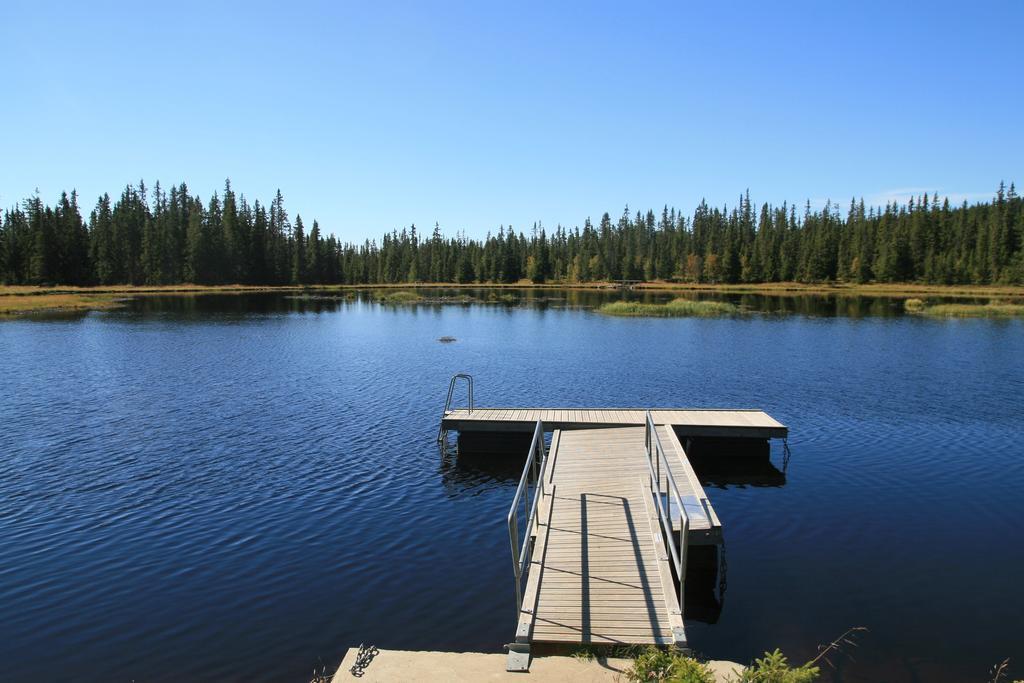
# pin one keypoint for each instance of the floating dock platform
(605, 511)
(745, 423)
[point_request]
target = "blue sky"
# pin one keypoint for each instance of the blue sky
(374, 115)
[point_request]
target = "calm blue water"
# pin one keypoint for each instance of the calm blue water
(240, 488)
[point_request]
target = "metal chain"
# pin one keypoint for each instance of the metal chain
(363, 658)
(723, 573)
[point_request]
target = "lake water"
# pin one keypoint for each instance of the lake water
(241, 487)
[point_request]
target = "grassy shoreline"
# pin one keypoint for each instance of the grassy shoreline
(22, 299)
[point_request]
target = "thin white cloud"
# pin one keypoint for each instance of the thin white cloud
(900, 196)
(903, 195)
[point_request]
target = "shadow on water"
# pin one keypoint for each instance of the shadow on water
(465, 474)
(475, 462)
(705, 583)
(738, 471)
(724, 463)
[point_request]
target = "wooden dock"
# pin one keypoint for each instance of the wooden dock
(599, 573)
(607, 511)
(745, 423)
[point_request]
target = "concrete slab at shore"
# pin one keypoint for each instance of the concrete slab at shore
(469, 667)
(466, 667)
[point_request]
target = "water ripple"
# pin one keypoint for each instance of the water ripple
(193, 493)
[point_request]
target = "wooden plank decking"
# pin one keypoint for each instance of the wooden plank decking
(692, 422)
(599, 573)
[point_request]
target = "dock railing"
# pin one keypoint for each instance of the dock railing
(657, 465)
(531, 481)
(448, 402)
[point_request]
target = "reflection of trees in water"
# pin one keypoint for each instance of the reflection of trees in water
(823, 305)
(434, 298)
(194, 305)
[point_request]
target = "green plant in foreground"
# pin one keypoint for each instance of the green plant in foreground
(627, 651)
(583, 653)
(775, 668)
(672, 667)
(999, 672)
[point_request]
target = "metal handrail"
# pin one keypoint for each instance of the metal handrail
(655, 457)
(521, 551)
(448, 401)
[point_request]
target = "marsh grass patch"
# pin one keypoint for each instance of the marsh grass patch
(993, 309)
(677, 308)
(399, 297)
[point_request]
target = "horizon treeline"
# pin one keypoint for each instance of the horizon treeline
(163, 237)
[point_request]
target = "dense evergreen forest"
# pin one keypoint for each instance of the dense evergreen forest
(157, 237)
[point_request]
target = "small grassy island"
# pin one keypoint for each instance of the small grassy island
(19, 304)
(402, 296)
(677, 308)
(992, 309)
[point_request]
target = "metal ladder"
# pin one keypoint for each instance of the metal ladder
(442, 433)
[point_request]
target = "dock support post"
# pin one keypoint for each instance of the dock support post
(679, 640)
(518, 657)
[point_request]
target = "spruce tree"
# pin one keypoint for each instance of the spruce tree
(298, 253)
(314, 253)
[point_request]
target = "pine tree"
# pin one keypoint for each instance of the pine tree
(314, 256)
(436, 255)
(152, 242)
(298, 253)
(279, 236)
(198, 260)
(42, 259)
(232, 251)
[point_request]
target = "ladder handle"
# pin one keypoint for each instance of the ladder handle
(448, 401)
